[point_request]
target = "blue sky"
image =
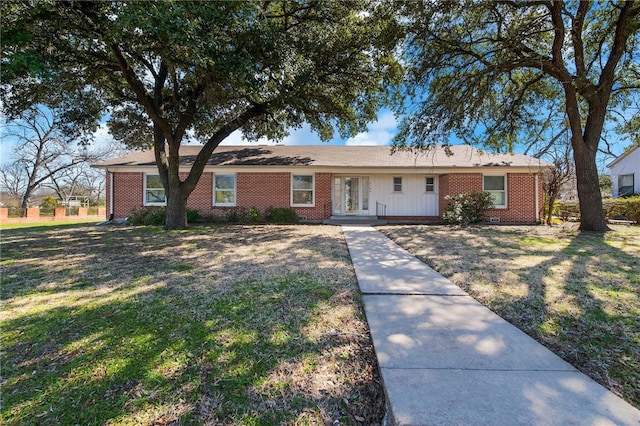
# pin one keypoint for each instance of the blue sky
(379, 132)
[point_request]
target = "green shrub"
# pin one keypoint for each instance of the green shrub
(281, 215)
(193, 216)
(255, 216)
(235, 215)
(568, 210)
(470, 207)
(49, 203)
(157, 216)
(623, 208)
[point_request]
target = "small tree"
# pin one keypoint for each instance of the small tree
(45, 149)
(467, 208)
(555, 178)
(49, 203)
(604, 182)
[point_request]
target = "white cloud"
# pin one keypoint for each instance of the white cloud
(380, 137)
(302, 136)
(380, 132)
(102, 137)
(386, 121)
(236, 138)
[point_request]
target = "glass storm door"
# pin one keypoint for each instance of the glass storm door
(351, 195)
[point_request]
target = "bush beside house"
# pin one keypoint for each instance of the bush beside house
(614, 209)
(469, 207)
(156, 215)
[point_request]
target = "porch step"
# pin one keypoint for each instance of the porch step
(354, 220)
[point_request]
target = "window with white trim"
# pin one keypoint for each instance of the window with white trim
(430, 184)
(224, 190)
(154, 194)
(497, 187)
(302, 192)
(625, 185)
(397, 184)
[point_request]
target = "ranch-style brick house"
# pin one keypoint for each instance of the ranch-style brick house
(320, 182)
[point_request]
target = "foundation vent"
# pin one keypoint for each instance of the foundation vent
(494, 219)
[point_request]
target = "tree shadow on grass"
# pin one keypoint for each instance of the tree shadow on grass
(147, 344)
(593, 321)
(578, 295)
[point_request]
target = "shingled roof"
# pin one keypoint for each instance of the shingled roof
(335, 156)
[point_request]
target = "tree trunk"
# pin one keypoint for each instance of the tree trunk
(552, 201)
(592, 216)
(176, 208)
(25, 201)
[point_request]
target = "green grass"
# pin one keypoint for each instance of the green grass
(46, 224)
(577, 293)
(115, 325)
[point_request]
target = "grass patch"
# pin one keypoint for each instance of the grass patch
(577, 293)
(46, 224)
(227, 325)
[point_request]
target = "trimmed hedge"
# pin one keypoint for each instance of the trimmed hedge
(157, 216)
(623, 208)
(614, 209)
(281, 215)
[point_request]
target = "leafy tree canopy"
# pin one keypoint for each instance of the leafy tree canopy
(177, 69)
(505, 72)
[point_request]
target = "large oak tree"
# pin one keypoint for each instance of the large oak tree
(175, 70)
(492, 72)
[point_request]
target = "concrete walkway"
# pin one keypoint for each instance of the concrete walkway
(445, 359)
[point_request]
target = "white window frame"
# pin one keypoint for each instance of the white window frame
(432, 184)
(504, 177)
(235, 190)
(144, 192)
(633, 184)
(394, 184)
(313, 190)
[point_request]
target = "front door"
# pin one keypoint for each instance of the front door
(351, 195)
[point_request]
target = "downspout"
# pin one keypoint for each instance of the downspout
(110, 194)
(537, 200)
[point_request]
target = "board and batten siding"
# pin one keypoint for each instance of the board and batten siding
(413, 200)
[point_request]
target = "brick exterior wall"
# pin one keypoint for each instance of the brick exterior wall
(260, 190)
(457, 183)
(521, 206)
(201, 199)
(322, 209)
(273, 189)
(263, 190)
(520, 200)
(127, 194)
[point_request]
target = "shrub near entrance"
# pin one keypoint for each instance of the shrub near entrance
(470, 207)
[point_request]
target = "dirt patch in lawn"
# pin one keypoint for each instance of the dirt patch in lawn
(213, 325)
(577, 293)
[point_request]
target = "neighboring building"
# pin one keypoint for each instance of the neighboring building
(625, 174)
(319, 182)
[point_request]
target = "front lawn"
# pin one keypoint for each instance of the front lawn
(213, 325)
(577, 293)
(47, 224)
